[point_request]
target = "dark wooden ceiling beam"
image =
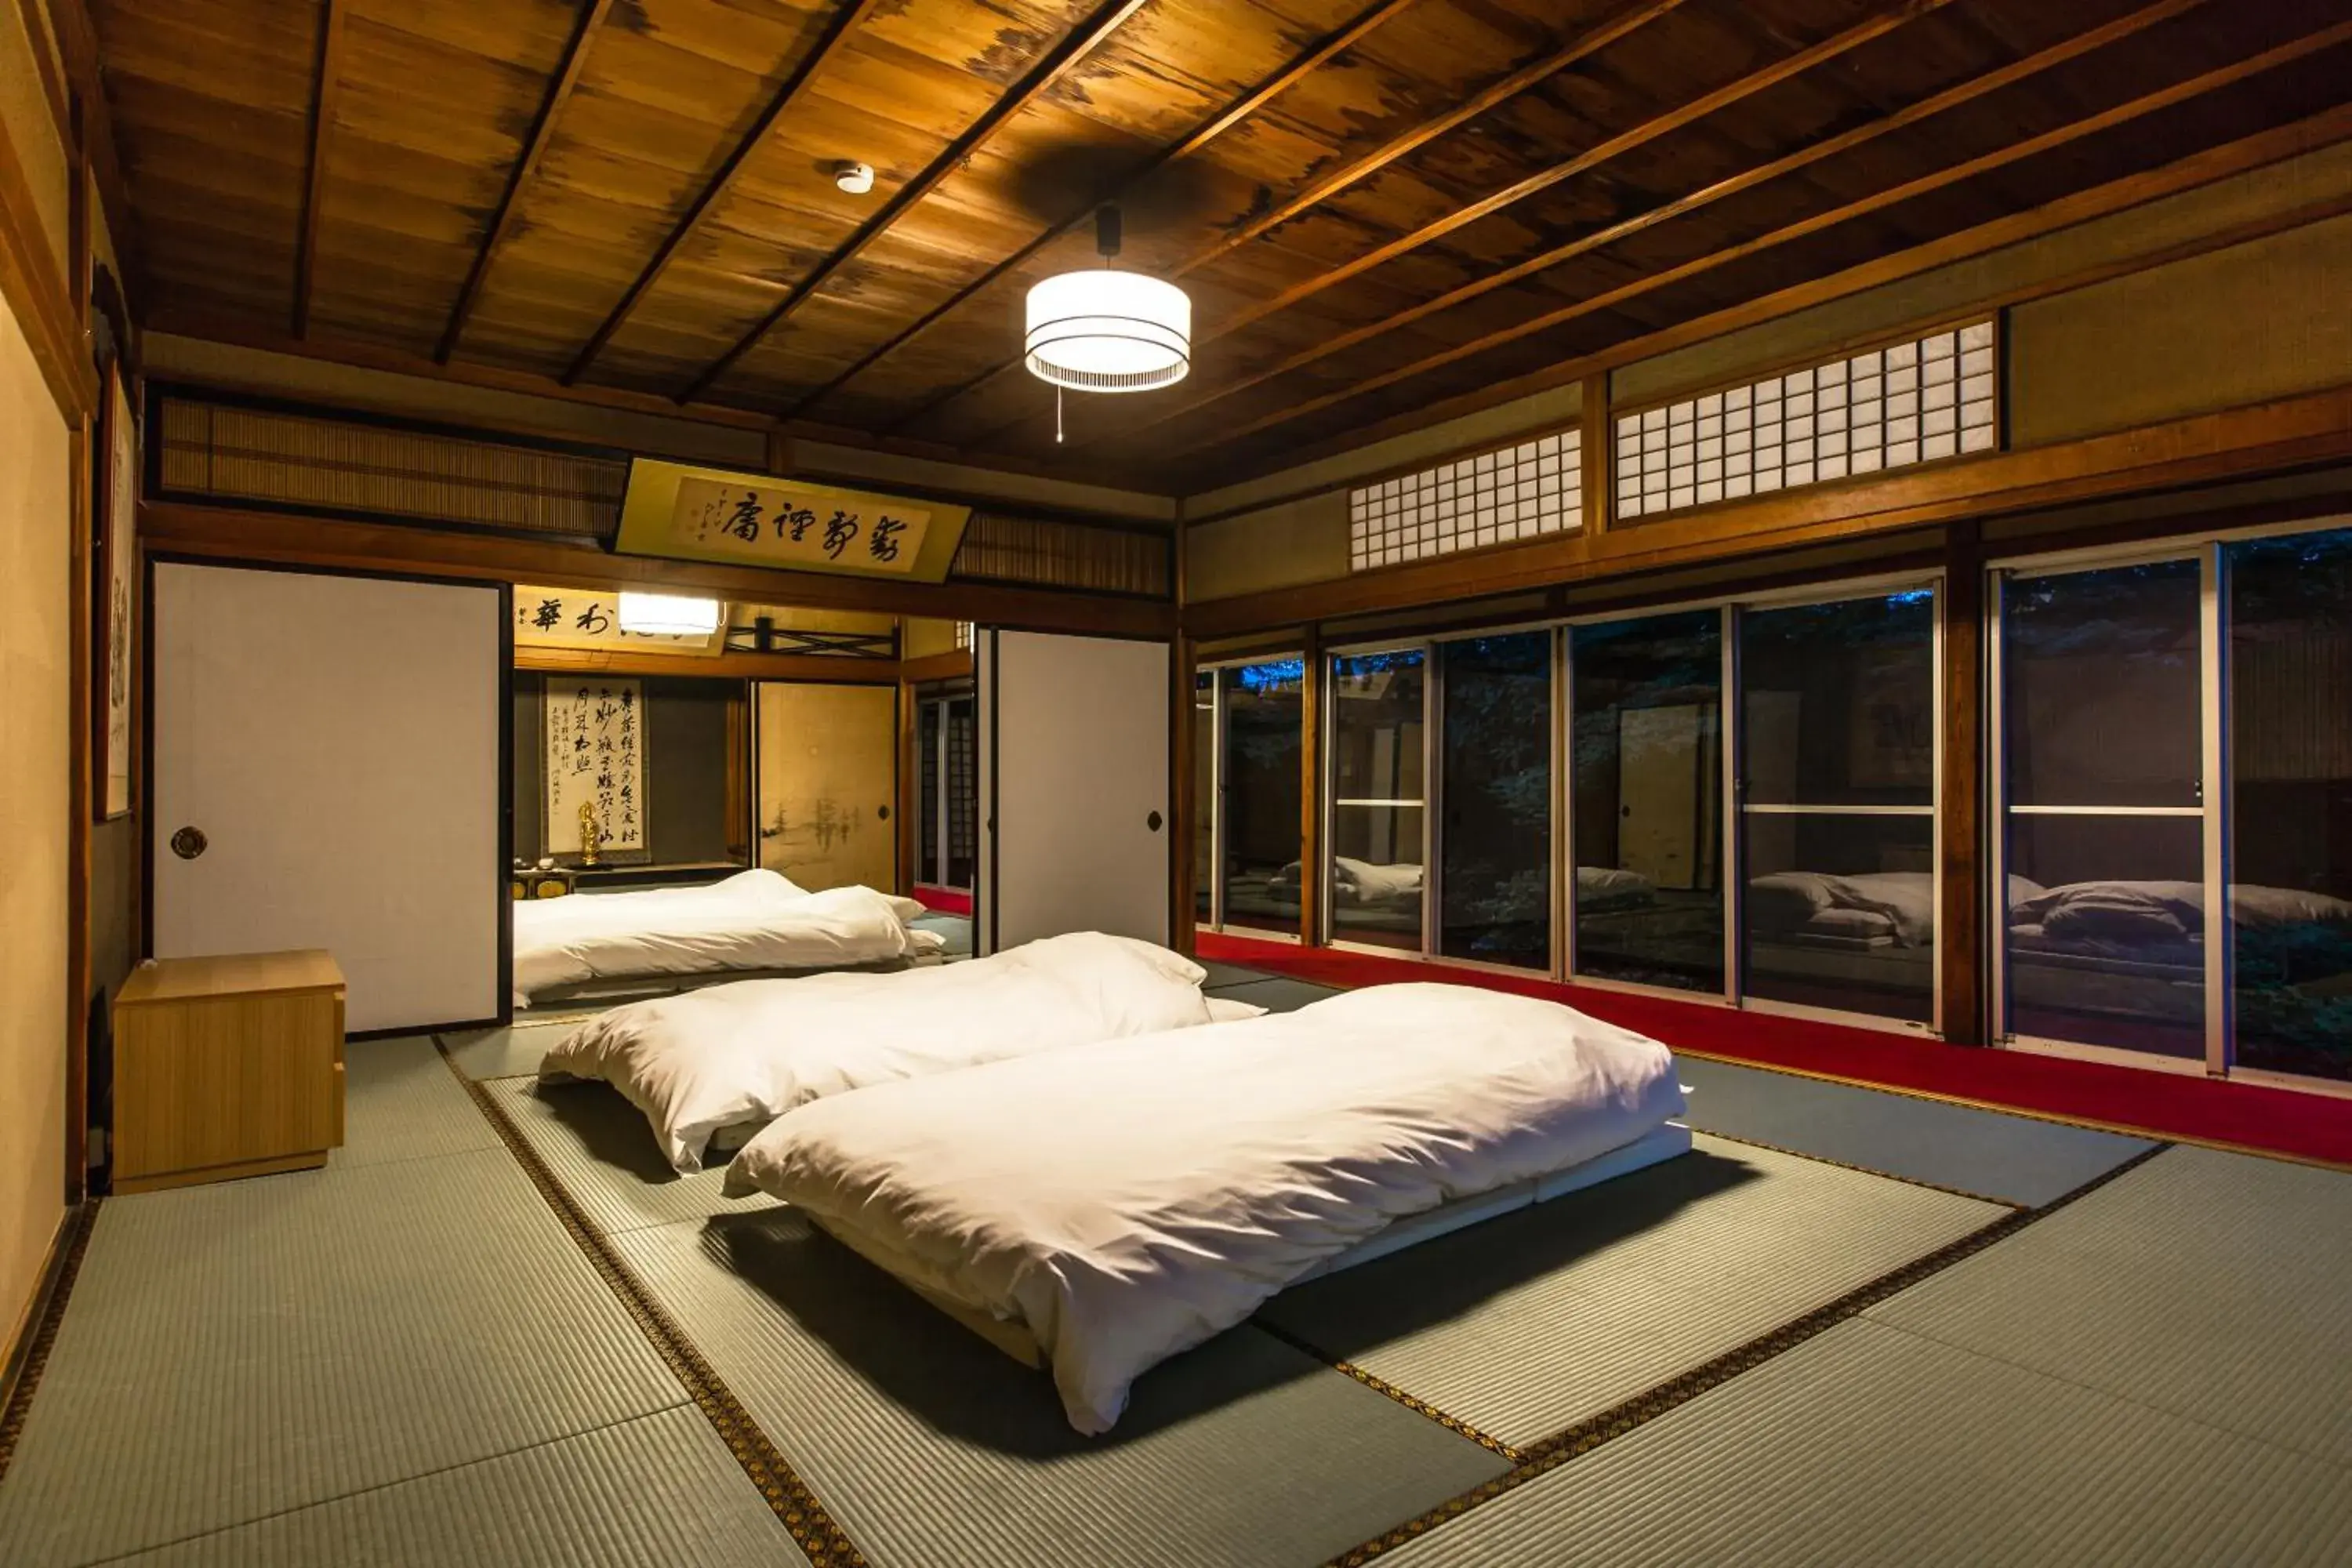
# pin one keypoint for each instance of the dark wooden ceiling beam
(1763, 173)
(1064, 58)
(1420, 135)
(1235, 113)
(835, 37)
(332, 17)
(543, 130)
(2016, 152)
(1676, 118)
(1492, 95)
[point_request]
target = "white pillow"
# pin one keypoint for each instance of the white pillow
(1227, 1010)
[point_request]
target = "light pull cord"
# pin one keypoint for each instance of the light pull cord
(1057, 415)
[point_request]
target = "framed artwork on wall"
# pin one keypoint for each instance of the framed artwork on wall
(111, 604)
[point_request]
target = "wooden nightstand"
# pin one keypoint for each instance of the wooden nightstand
(227, 1066)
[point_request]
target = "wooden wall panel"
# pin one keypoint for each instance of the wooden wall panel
(1302, 540)
(2267, 319)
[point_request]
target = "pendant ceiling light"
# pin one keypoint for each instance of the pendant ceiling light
(1109, 331)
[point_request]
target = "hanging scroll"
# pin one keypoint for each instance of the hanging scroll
(761, 520)
(595, 765)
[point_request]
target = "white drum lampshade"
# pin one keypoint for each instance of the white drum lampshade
(668, 614)
(1108, 331)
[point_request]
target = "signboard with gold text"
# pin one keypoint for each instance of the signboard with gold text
(591, 618)
(758, 519)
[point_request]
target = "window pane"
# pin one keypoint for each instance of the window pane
(1840, 912)
(1838, 702)
(2106, 932)
(1377, 798)
(1205, 803)
(1495, 841)
(2100, 671)
(1263, 755)
(2291, 802)
(1648, 771)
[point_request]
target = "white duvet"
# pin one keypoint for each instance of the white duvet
(1127, 1200)
(749, 1051)
(754, 919)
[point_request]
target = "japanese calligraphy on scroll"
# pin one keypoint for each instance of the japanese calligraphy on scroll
(591, 618)
(713, 514)
(595, 757)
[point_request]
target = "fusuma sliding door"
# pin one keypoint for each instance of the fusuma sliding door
(1074, 765)
(327, 771)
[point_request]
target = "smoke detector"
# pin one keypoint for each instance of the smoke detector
(855, 178)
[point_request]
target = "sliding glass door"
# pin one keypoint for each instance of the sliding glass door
(1495, 790)
(2289, 605)
(1645, 773)
(1379, 817)
(1260, 755)
(1205, 805)
(2102, 746)
(1838, 747)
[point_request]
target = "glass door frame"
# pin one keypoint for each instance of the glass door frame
(1432, 934)
(1732, 848)
(2211, 810)
(1214, 670)
(1328, 794)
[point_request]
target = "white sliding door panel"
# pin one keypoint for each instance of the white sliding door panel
(1074, 776)
(337, 742)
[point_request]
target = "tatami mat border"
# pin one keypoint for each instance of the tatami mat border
(1453, 1424)
(812, 1528)
(41, 1334)
(1859, 1170)
(2027, 1113)
(1547, 1453)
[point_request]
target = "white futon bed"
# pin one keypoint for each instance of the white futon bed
(1100, 1208)
(755, 920)
(742, 1054)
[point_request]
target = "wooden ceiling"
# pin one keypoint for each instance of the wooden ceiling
(1375, 204)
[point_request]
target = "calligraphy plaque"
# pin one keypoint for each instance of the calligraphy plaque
(794, 525)
(591, 618)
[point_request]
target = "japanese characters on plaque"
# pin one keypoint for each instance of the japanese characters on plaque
(591, 618)
(778, 523)
(595, 758)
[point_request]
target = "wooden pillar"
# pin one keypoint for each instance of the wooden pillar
(1184, 805)
(1594, 443)
(1314, 697)
(908, 792)
(1962, 957)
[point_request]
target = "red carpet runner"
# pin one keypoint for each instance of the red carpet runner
(2242, 1115)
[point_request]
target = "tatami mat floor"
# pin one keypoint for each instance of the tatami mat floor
(1843, 1332)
